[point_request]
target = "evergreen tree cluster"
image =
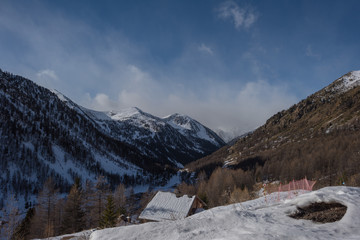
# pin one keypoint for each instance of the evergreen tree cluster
(86, 206)
(108, 218)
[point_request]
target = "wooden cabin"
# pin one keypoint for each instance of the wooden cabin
(167, 206)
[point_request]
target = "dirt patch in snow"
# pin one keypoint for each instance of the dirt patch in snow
(321, 212)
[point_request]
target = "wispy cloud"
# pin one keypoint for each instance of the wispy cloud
(205, 49)
(310, 52)
(221, 108)
(47, 73)
(47, 77)
(241, 17)
(107, 71)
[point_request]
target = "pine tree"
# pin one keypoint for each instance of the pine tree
(89, 204)
(108, 218)
(120, 198)
(239, 195)
(101, 192)
(59, 214)
(73, 220)
(11, 217)
(22, 231)
(44, 224)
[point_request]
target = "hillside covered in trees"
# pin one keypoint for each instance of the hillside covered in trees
(317, 138)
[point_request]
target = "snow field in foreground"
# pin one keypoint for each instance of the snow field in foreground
(253, 219)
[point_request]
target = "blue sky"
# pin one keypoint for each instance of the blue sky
(228, 64)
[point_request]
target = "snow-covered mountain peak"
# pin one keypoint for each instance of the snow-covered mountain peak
(176, 115)
(177, 131)
(179, 120)
(190, 127)
(135, 118)
(125, 114)
(346, 82)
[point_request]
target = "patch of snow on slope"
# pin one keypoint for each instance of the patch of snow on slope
(72, 236)
(352, 80)
(29, 145)
(179, 165)
(202, 133)
(59, 95)
(171, 184)
(124, 114)
(137, 118)
(111, 165)
(187, 126)
(96, 115)
(347, 82)
(168, 187)
(252, 220)
(180, 128)
(64, 164)
(179, 121)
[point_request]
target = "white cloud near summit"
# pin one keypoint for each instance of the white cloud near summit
(221, 107)
(47, 74)
(241, 17)
(47, 77)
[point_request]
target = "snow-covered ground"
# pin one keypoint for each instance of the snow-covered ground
(73, 236)
(257, 219)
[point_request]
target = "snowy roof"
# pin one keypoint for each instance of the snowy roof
(166, 206)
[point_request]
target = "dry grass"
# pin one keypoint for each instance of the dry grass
(321, 212)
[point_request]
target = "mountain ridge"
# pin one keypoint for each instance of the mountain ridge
(145, 128)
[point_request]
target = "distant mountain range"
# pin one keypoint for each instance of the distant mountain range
(43, 133)
(319, 137)
(174, 140)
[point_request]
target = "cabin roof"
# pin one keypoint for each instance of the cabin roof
(166, 206)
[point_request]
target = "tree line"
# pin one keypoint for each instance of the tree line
(89, 205)
(223, 186)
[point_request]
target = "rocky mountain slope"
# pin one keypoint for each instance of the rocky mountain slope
(43, 134)
(176, 139)
(317, 137)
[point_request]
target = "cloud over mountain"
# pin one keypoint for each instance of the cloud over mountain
(241, 17)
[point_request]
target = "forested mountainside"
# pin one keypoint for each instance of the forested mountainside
(318, 137)
(44, 134)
